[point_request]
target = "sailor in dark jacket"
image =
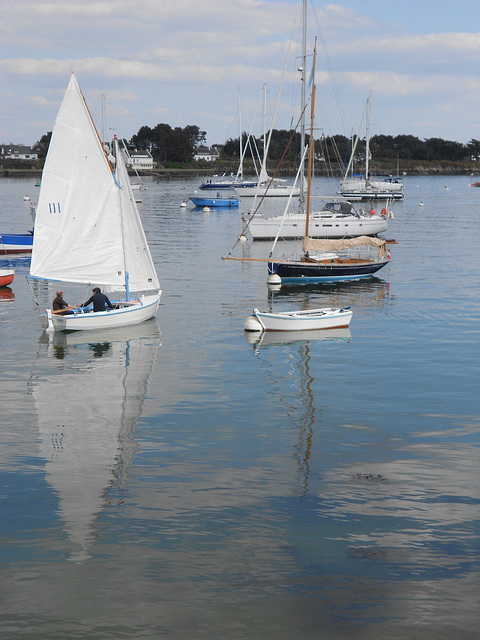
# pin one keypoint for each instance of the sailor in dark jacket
(60, 307)
(99, 299)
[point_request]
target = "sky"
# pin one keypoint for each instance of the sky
(205, 63)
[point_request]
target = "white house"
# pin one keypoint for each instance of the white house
(18, 152)
(209, 154)
(141, 160)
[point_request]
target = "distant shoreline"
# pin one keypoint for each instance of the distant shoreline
(417, 169)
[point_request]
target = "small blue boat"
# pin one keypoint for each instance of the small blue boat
(16, 243)
(219, 201)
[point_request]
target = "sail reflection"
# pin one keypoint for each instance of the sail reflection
(89, 392)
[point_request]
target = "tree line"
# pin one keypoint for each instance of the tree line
(177, 146)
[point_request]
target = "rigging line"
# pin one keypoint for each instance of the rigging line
(271, 180)
(357, 138)
(248, 141)
(265, 151)
(95, 129)
(289, 200)
(336, 92)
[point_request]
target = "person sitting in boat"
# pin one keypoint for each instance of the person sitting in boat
(99, 299)
(60, 307)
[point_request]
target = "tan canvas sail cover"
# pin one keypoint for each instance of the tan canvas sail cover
(314, 244)
(87, 226)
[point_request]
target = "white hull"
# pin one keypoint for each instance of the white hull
(320, 226)
(360, 194)
(275, 191)
(385, 188)
(87, 321)
(310, 319)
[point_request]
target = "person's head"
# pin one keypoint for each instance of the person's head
(60, 293)
(96, 290)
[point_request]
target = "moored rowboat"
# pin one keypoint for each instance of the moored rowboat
(303, 320)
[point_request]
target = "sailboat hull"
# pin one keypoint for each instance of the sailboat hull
(312, 273)
(321, 226)
(274, 191)
(16, 243)
(87, 321)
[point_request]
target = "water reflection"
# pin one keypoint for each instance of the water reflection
(373, 293)
(89, 390)
(295, 385)
(271, 338)
(6, 294)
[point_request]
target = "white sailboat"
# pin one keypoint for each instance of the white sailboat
(337, 219)
(88, 229)
(267, 187)
(366, 187)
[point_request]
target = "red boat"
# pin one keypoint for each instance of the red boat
(6, 277)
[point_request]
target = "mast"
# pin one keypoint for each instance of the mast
(121, 186)
(265, 127)
(311, 145)
(240, 166)
(367, 142)
(302, 123)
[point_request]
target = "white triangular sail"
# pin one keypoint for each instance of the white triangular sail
(87, 225)
(139, 264)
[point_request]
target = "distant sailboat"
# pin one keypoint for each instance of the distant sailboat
(87, 228)
(366, 187)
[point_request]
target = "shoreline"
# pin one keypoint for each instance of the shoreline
(417, 170)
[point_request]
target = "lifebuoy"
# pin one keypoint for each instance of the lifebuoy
(383, 213)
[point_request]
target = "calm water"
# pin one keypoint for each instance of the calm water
(177, 480)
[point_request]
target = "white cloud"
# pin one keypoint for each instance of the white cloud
(188, 58)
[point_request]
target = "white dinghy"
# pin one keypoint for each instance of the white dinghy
(88, 229)
(304, 320)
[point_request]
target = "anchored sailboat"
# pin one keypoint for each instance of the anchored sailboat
(334, 260)
(366, 187)
(88, 229)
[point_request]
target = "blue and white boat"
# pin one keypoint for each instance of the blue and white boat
(334, 261)
(228, 183)
(218, 201)
(16, 243)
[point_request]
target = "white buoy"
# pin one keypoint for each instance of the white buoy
(421, 204)
(183, 205)
(206, 209)
(252, 324)
(242, 238)
(274, 279)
